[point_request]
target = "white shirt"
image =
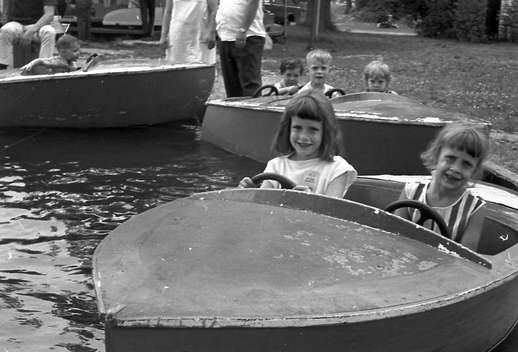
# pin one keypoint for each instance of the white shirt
(230, 16)
(308, 86)
(316, 173)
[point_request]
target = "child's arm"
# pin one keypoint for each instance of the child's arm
(339, 186)
(26, 69)
(288, 90)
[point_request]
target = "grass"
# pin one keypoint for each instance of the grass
(479, 80)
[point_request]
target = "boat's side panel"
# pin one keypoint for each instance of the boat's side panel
(373, 147)
(112, 100)
(474, 325)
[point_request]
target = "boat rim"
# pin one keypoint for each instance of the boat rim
(100, 71)
(354, 115)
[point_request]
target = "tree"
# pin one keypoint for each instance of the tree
(325, 22)
(84, 13)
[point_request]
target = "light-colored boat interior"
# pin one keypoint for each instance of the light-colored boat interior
(500, 226)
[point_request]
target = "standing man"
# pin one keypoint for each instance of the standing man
(240, 28)
(28, 20)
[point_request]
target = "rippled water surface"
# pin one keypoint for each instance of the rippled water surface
(62, 191)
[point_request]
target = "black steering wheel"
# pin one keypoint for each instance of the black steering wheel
(426, 213)
(272, 91)
(284, 181)
(330, 92)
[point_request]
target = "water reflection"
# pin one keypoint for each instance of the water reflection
(62, 191)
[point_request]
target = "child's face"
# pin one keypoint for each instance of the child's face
(318, 71)
(305, 138)
(454, 169)
(70, 54)
(291, 77)
(377, 84)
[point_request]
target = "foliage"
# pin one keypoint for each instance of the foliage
(510, 21)
(438, 19)
(377, 10)
(470, 20)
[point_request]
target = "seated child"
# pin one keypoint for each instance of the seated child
(291, 70)
(307, 143)
(377, 77)
(318, 63)
(68, 53)
(454, 157)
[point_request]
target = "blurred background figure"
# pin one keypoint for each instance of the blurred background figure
(189, 31)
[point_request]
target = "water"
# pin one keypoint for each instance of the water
(62, 191)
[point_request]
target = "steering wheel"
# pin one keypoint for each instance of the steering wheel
(272, 91)
(426, 213)
(284, 181)
(330, 92)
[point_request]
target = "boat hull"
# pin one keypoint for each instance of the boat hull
(474, 325)
(118, 97)
(381, 133)
(291, 276)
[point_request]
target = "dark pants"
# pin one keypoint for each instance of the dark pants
(241, 67)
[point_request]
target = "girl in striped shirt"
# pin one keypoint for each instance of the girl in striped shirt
(454, 157)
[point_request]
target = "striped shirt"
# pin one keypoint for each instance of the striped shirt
(455, 215)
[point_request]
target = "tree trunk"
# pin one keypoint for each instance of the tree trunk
(325, 22)
(84, 13)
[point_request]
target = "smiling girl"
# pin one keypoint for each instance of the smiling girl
(307, 145)
(454, 158)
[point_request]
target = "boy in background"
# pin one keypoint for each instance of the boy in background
(291, 70)
(318, 63)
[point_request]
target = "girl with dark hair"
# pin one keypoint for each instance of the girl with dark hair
(306, 146)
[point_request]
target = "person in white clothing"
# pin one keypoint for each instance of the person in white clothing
(188, 31)
(28, 21)
(307, 144)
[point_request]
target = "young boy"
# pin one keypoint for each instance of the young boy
(291, 70)
(68, 53)
(377, 77)
(318, 63)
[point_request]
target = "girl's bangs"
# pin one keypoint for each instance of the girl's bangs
(467, 142)
(306, 109)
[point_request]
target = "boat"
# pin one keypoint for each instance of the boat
(120, 95)
(377, 130)
(281, 270)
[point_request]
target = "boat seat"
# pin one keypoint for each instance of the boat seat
(374, 192)
(25, 53)
(497, 234)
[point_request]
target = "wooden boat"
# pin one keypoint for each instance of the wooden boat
(279, 270)
(377, 130)
(117, 96)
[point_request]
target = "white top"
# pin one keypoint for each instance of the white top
(316, 173)
(307, 86)
(189, 26)
(230, 17)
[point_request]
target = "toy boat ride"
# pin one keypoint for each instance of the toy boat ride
(119, 96)
(280, 270)
(381, 133)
